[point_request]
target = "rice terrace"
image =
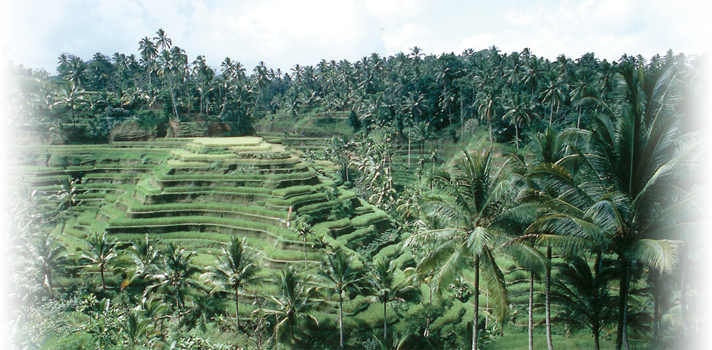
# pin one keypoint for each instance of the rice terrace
(482, 200)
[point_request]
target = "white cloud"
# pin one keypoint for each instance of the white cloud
(282, 33)
(478, 42)
(388, 9)
(406, 37)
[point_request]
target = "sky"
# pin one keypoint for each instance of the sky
(282, 33)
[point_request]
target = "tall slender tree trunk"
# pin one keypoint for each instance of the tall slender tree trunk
(549, 341)
(306, 261)
(341, 320)
(622, 304)
(385, 322)
(462, 118)
(477, 303)
(531, 310)
(626, 346)
(237, 308)
(489, 121)
(683, 291)
(656, 308)
(409, 151)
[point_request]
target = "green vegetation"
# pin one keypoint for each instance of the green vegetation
(445, 202)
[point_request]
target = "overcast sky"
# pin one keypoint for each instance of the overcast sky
(282, 32)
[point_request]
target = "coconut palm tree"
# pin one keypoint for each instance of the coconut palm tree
(526, 255)
(339, 275)
(145, 256)
(517, 110)
(100, 252)
(133, 328)
(303, 230)
(67, 195)
(163, 41)
(174, 277)
(236, 269)
(583, 296)
(71, 96)
(553, 94)
(294, 300)
(470, 199)
(385, 289)
(46, 256)
(614, 189)
(486, 104)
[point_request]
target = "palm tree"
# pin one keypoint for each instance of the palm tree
(174, 277)
(145, 256)
(67, 195)
(46, 256)
(583, 297)
(553, 94)
(133, 328)
(148, 51)
(487, 108)
(294, 300)
(517, 110)
(338, 274)
(237, 268)
(470, 199)
(72, 96)
(100, 252)
(613, 190)
(163, 41)
(526, 255)
(304, 229)
(385, 289)
(421, 133)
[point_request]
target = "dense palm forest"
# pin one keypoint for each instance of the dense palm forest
(526, 199)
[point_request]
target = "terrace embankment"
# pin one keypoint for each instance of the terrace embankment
(207, 189)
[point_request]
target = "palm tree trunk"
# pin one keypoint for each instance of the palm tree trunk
(656, 310)
(341, 321)
(103, 284)
(683, 291)
(306, 262)
(385, 322)
(408, 151)
(622, 304)
(477, 303)
(237, 308)
(489, 121)
(549, 342)
(531, 311)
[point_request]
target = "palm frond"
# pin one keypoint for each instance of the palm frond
(692, 232)
(660, 254)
